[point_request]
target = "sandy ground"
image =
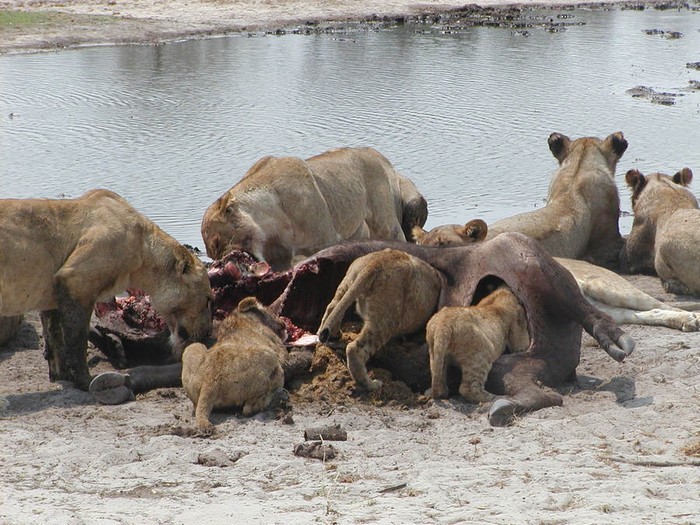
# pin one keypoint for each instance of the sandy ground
(624, 448)
(92, 22)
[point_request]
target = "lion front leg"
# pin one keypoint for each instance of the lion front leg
(65, 338)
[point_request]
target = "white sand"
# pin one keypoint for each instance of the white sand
(616, 452)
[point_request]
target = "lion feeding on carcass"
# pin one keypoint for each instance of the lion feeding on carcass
(61, 256)
(288, 207)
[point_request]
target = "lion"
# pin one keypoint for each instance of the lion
(395, 294)
(286, 208)
(606, 290)
(665, 234)
(242, 369)
(473, 337)
(62, 256)
(580, 219)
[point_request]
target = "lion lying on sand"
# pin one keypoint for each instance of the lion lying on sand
(472, 338)
(61, 256)
(665, 236)
(606, 290)
(395, 294)
(243, 369)
(580, 220)
(287, 207)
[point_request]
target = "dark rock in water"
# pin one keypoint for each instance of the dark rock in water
(656, 97)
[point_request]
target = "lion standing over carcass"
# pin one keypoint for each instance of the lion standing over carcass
(61, 256)
(287, 207)
(394, 293)
(665, 236)
(243, 368)
(580, 220)
(473, 337)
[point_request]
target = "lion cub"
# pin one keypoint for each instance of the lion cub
(244, 367)
(395, 294)
(472, 338)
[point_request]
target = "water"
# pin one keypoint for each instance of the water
(465, 115)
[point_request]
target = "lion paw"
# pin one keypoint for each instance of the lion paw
(692, 324)
(111, 388)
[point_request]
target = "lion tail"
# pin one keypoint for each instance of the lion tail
(349, 289)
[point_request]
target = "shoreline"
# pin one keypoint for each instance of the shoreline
(50, 25)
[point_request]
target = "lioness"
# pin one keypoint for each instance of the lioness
(665, 236)
(580, 220)
(603, 288)
(287, 207)
(61, 256)
(395, 294)
(473, 337)
(244, 367)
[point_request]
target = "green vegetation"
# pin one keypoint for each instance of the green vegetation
(24, 20)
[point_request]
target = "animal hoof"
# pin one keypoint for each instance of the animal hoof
(111, 388)
(502, 413)
(626, 343)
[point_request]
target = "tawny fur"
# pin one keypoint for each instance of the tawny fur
(472, 338)
(288, 207)
(452, 234)
(61, 256)
(606, 290)
(580, 219)
(395, 294)
(665, 236)
(242, 370)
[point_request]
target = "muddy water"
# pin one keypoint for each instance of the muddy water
(465, 113)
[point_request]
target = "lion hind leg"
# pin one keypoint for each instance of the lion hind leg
(619, 294)
(475, 364)
(263, 401)
(676, 319)
(358, 353)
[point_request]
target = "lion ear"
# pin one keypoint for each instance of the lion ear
(635, 179)
(418, 234)
(476, 230)
(249, 303)
(683, 177)
(558, 145)
(183, 262)
(618, 143)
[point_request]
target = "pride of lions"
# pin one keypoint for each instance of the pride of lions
(505, 303)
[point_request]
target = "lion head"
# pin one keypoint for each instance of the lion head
(183, 299)
(452, 234)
